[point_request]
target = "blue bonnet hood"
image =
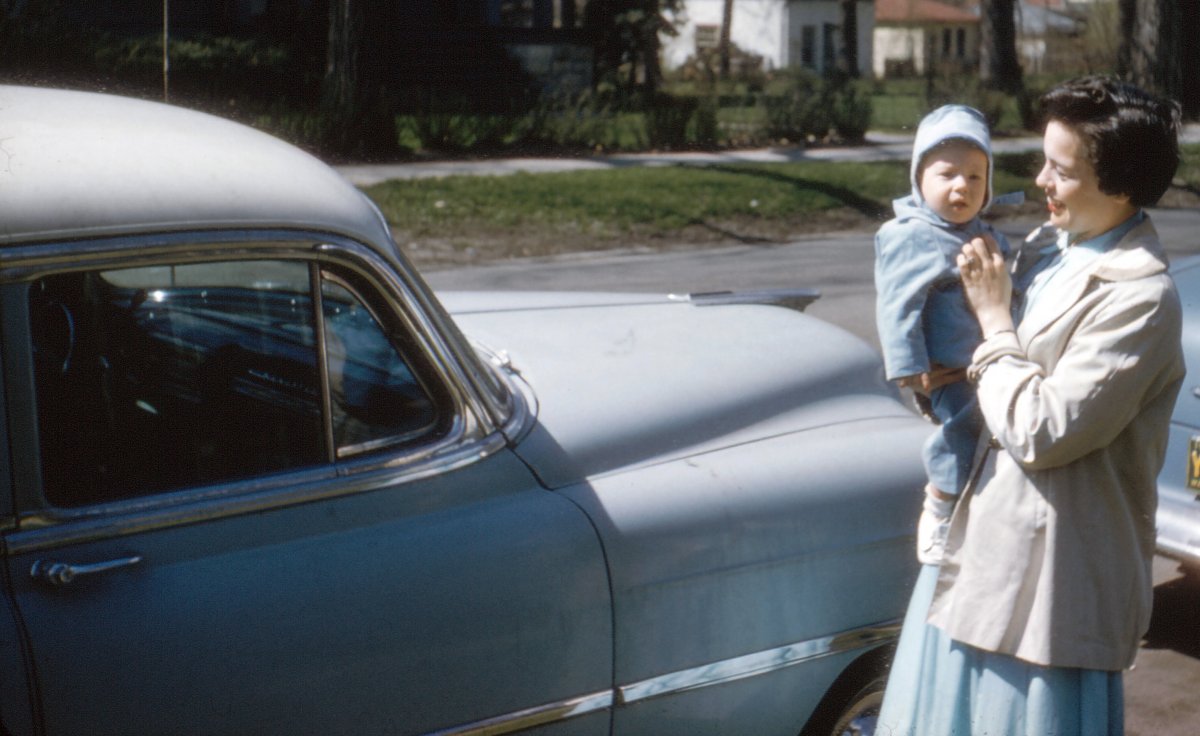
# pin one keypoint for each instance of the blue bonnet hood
(950, 122)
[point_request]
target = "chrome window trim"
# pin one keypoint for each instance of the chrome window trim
(404, 291)
(56, 528)
(522, 402)
(413, 301)
(716, 673)
(345, 452)
(470, 436)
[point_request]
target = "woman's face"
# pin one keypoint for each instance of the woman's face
(1072, 188)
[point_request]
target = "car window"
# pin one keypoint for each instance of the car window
(159, 378)
(376, 399)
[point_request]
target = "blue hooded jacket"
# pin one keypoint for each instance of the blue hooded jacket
(921, 313)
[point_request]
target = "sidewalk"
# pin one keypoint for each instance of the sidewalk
(879, 147)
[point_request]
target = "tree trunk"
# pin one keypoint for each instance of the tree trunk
(1151, 49)
(356, 121)
(999, 67)
(850, 37)
(723, 47)
(1189, 61)
(649, 22)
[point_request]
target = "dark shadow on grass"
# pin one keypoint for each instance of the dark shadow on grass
(726, 233)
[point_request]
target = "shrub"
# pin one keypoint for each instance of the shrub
(705, 129)
(667, 120)
(851, 111)
(803, 112)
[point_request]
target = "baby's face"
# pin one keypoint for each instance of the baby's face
(954, 181)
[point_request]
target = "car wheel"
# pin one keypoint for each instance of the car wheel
(861, 710)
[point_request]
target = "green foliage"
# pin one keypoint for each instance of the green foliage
(705, 128)
(816, 109)
(802, 112)
(852, 111)
(667, 121)
(37, 45)
(207, 66)
(461, 131)
(1188, 174)
(588, 122)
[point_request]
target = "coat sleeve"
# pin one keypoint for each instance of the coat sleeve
(906, 266)
(1117, 358)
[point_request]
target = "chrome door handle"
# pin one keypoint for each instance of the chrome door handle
(62, 573)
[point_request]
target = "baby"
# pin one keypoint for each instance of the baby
(923, 319)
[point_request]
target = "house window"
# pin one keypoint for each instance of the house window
(707, 37)
(808, 46)
(962, 43)
(829, 45)
(945, 42)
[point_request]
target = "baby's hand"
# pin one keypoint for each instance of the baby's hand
(917, 382)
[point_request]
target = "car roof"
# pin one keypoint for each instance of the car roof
(80, 164)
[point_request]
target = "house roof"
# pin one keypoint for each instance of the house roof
(921, 11)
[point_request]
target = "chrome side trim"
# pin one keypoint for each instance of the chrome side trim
(535, 716)
(758, 663)
(796, 298)
(737, 668)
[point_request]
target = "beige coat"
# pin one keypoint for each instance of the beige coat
(1051, 545)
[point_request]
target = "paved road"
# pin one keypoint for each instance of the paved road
(1161, 692)
(838, 264)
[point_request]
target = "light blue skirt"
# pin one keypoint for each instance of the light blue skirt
(940, 687)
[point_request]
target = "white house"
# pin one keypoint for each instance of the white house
(786, 33)
(913, 36)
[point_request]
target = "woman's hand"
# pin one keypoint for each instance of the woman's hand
(986, 284)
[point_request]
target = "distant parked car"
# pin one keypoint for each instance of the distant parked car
(1179, 483)
(260, 481)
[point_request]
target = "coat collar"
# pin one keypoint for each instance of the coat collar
(1137, 255)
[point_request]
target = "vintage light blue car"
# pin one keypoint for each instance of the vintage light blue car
(1179, 483)
(260, 480)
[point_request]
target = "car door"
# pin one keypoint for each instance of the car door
(254, 497)
(1178, 514)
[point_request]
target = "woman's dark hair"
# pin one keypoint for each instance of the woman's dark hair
(1130, 136)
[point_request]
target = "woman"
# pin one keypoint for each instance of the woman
(1045, 588)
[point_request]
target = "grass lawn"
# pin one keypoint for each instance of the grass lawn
(466, 219)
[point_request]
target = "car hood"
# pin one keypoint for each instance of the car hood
(623, 380)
